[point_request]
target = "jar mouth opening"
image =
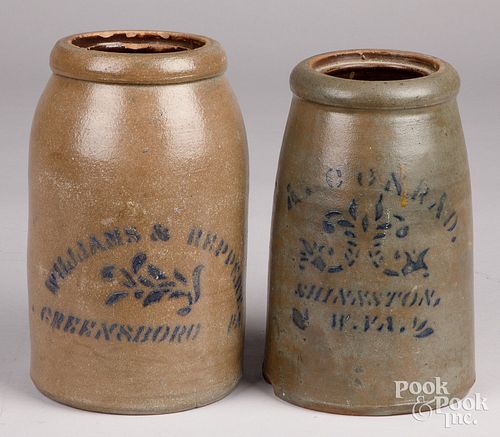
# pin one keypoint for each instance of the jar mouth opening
(375, 78)
(138, 57)
(376, 73)
(140, 42)
(377, 65)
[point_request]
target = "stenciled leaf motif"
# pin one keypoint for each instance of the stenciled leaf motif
(345, 223)
(153, 297)
(425, 333)
(177, 294)
(138, 261)
(156, 280)
(115, 297)
(180, 277)
(146, 282)
(184, 311)
(301, 320)
(421, 326)
(129, 281)
(156, 273)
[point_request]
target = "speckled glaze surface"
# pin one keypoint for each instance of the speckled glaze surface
(371, 278)
(137, 225)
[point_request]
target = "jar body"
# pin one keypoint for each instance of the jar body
(137, 227)
(371, 277)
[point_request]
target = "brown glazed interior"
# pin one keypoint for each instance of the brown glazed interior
(146, 42)
(377, 66)
(376, 73)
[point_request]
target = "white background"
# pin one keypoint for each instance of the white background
(263, 40)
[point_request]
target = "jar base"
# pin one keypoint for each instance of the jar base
(152, 409)
(361, 410)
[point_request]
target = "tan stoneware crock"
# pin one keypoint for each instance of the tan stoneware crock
(371, 282)
(137, 225)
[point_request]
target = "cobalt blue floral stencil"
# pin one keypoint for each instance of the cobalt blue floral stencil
(344, 229)
(148, 283)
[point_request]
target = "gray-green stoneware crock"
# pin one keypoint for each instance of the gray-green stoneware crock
(371, 279)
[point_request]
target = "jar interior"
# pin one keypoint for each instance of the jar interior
(375, 65)
(140, 42)
(376, 73)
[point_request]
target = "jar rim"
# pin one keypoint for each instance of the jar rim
(138, 57)
(375, 78)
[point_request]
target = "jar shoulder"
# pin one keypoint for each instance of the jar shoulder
(184, 121)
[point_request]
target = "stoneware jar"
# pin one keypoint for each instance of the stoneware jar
(137, 225)
(371, 286)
